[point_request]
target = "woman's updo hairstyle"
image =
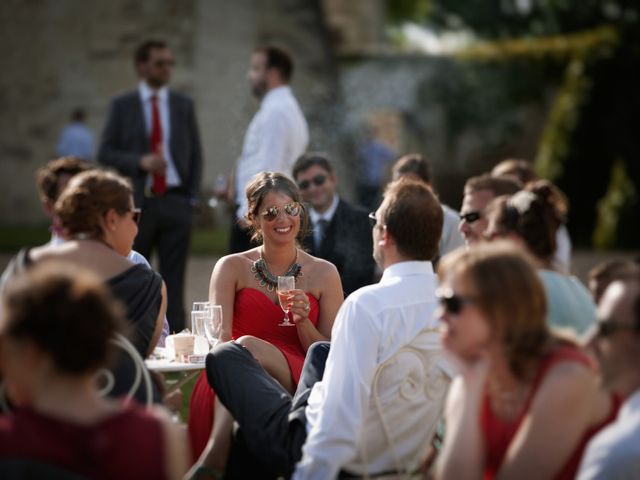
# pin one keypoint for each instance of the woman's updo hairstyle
(67, 312)
(534, 214)
(258, 188)
(87, 197)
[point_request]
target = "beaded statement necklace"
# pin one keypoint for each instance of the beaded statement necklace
(268, 280)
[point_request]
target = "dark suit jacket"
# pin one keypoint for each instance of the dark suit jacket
(348, 245)
(125, 140)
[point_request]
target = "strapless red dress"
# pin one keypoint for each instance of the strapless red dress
(253, 314)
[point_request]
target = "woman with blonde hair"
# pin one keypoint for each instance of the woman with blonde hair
(526, 402)
(245, 285)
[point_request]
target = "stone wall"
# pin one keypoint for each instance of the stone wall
(60, 54)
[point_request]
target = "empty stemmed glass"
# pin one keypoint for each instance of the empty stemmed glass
(285, 285)
(212, 324)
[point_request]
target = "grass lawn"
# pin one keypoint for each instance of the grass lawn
(204, 241)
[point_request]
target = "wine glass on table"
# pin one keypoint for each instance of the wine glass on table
(212, 324)
(285, 285)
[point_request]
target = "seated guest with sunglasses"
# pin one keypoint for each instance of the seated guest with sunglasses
(373, 410)
(99, 223)
(245, 285)
(478, 193)
(340, 232)
(615, 452)
(526, 402)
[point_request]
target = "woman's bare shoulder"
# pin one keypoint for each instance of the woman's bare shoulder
(235, 261)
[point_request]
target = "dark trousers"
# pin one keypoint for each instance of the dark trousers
(239, 238)
(166, 225)
(271, 424)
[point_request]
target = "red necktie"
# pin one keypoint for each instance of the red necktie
(159, 185)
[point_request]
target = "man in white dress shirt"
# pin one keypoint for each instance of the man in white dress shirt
(614, 453)
(353, 416)
(277, 135)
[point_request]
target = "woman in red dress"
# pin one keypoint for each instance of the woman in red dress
(245, 284)
(526, 402)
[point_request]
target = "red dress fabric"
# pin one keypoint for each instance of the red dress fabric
(498, 433)
(129, 444)
(253, 314)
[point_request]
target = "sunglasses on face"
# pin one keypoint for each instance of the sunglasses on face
(606, 328)
(318, 181)
(373, 221)
(451, 302)
(136, 213)
(163, 63)
(270, 214)
(470, 217)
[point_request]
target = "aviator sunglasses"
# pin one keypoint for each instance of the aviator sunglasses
(451, 302)
(318, 181)
(270, 214)
(470, 217)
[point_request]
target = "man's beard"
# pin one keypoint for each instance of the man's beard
(259, 89)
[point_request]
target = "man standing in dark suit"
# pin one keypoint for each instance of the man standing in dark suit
(340, 232)
(151, 136)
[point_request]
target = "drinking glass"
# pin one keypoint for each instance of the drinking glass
(212, 324)
(285, 285)
(198, 306)
(198, 321)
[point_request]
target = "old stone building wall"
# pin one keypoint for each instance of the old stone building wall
(61, 54)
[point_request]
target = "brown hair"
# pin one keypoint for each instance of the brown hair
(497, 185)
(533, 214)
(413, 216)
(310, 159)
(259, 186)
(66, 311)
(509, 293)
(88, 196)
(515, 167)
(412, 163)
(48, 176)
(605, 273)
(278, 58)
(143, 51)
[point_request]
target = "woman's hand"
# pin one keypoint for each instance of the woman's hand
(299, 306)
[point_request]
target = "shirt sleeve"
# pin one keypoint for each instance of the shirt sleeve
(346, 386)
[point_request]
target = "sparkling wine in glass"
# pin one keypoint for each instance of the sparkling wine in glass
(285, 285)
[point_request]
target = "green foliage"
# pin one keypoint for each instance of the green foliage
(621, 191)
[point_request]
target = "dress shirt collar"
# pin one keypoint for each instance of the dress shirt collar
(276, 94)
(631, 406)
(146, 92)
(327, 215)
(403, 269)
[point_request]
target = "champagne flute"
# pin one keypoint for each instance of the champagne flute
(285, 285)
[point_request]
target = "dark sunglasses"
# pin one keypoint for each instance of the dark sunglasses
(451, 302)
(606, 328)
(164, 63)
(292, 209)
(372, 219)
(470, 217)
(318, 180)
(136, 213)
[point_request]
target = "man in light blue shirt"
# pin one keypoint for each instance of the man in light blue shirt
(76, 139)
